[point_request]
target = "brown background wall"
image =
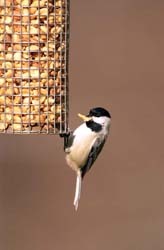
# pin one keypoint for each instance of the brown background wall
(116, 61)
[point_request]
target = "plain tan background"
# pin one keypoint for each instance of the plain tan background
(116, 61)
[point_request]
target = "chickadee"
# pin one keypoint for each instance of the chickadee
(83, 145)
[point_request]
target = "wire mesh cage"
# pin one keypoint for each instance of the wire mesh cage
(34, 44)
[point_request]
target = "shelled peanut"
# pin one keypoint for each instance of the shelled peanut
(33, 47)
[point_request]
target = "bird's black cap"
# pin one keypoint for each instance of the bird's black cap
(98, 112)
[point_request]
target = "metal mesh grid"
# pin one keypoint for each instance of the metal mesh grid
(34, 43)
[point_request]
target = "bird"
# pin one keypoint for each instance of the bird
(83, 145)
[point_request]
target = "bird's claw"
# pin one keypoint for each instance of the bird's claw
(65, 135)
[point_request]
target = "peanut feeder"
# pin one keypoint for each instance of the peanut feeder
(34, 45)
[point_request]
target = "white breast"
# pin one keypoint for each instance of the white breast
(83, 141)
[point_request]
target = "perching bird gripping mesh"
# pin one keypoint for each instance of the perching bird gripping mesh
(34, 43)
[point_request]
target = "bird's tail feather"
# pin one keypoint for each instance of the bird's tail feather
(78, 189)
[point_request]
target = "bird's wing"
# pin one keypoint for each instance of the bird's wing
(68, 140)
(95, 151)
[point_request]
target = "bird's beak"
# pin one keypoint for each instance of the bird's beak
(84, 118)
